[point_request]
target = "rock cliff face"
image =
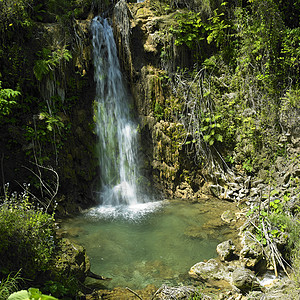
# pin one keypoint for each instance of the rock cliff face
(54, 119)
(138, 32)
(74, 83)
(142, 34)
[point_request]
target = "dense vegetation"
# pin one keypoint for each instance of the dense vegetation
(38, 96)
(236, 92)
(242, 77)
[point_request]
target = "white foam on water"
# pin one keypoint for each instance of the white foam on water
(132, 212)
(268, 279)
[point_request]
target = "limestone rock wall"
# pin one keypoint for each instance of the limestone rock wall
(138, 32)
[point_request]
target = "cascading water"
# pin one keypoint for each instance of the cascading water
(116, 131)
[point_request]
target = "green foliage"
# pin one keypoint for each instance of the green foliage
(189, 29)
(63, 288)
(291, 100)
(15, 13)
(51, 121)
(31, 294)
(7, 101)
(50, 60)
(9, 285)
(27, 236)
(246, 71)
(217, 28)
(212, 129)
(248, 166)
(290, 53)
(202, 37)
(158, 111)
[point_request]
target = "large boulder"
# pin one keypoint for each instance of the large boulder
(71, 262)
(210, 270)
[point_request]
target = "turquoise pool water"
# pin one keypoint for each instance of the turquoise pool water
(154, 243)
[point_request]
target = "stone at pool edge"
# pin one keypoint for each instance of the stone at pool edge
(245, 280)
(226, 250)
(212, 270)
(71, 261)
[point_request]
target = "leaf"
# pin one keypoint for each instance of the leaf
(210, 38)
(21, 295)
(274, 192)
(206, 138)
(218, 137)
(37, 295)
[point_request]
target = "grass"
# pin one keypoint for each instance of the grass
(9, 285)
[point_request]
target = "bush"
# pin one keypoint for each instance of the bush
(27, 237)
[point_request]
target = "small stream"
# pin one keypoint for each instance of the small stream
(151, 243)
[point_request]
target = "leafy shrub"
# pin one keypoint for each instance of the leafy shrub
(6, 100)
(31, 294)
(27, 237)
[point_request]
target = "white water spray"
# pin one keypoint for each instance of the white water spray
(116, 131)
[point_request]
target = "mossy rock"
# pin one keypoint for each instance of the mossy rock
(71, 262)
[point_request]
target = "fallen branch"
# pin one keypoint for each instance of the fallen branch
(95, 276)
(157, 291)
(133, 292)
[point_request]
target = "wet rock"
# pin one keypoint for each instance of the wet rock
(257, 182)
(180, 293)
(245, 280)
(210, 270)
(71, 262)
(216, 190)
(226, 250)
(234, 185)
(254, 192)
(247, 183)
(239, 179)
(184, 191)
(251, 254)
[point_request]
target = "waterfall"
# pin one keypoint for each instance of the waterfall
(116, 131)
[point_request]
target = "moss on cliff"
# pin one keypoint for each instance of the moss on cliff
(208, 75)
